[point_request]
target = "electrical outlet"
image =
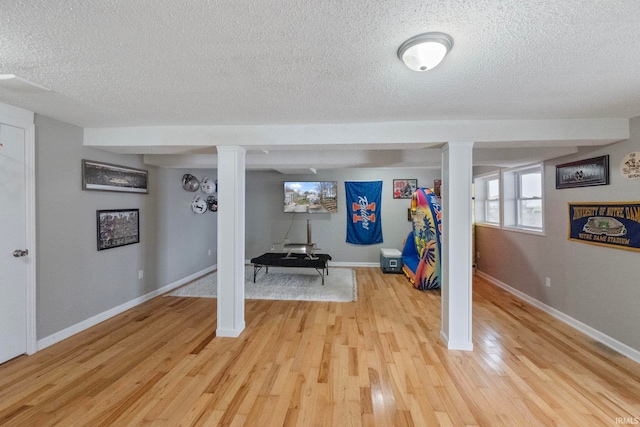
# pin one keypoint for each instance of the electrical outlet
(547, 282)
(140, 274)
(209, 252)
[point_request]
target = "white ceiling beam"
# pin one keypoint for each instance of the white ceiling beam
(309, 161)
(485, 133)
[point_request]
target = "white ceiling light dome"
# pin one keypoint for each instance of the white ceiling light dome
(425, 51)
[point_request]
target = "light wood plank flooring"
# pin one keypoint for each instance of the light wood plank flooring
(378, 361)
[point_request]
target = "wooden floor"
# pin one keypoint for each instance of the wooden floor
(378, 361)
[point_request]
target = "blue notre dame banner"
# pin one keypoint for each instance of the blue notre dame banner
(613, 224)
(364, 225)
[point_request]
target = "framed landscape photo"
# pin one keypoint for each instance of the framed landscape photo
(118, 227)
(99, 176)
(583, 173)
(404, 188)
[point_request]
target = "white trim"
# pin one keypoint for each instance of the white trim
(612, 343)
(488, 224)
(353, 264)
(16, 116)
(92, 321)
(490, 133)
(30, 199)
(465, 346)
(230, 332)
(525, 230)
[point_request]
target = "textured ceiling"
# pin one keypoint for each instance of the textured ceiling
(200, 62)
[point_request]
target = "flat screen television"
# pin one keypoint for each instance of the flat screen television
(311, 196)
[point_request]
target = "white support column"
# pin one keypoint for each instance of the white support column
(231, 212)
(456, 245)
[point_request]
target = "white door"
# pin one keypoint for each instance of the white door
(13, 250)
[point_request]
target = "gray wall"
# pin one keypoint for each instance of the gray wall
(76, 282)
(596, 285)
(267, 223)
(183, 238)
(592, 284)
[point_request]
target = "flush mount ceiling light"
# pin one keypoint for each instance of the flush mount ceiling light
(425, 51)
(18, 84)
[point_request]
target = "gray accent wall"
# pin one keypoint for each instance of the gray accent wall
(267, 223)
(76, 282)
(599, 286)
(183, 238)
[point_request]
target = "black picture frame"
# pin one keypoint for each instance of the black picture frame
(583, 173)
(404, 188)
(117, 227)
(99, 176)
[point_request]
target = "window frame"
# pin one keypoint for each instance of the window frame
(482, 201)
(512, 184)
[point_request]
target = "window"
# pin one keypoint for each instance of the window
(487, 199)
(492, 203)
(529, 198)
(511, 199)
(523, 199)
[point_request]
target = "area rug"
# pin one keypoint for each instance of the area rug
(302, 284)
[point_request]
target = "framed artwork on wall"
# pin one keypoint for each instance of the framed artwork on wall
(97, 176)
(404, 188)
(117, 227)
(583, 173)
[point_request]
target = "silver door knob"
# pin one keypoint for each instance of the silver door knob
(19, 253)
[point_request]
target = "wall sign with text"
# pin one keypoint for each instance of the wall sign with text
(613, 224)
(583, 173)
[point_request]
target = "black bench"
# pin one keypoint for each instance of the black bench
(318, 261)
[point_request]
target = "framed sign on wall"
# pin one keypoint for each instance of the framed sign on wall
(583, 173)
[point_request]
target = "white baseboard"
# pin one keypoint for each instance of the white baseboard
(353, 264)
(612, 343)
(452, 345)
(92, 321)
(230, 332)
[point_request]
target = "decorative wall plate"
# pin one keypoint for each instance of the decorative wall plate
(630, 166)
